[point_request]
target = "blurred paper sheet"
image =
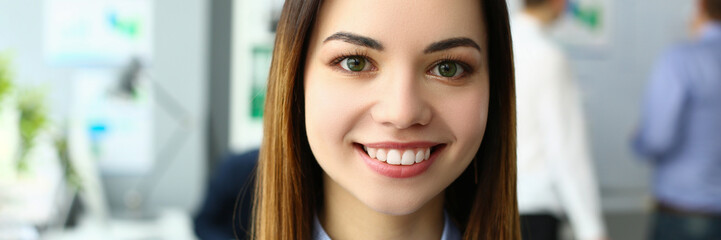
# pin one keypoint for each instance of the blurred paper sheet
(118, 125)
(98, 32)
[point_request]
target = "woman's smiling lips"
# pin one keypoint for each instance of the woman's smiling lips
(399, 160)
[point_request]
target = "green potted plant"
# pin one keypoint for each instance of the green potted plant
(27, 143)
(9, 117)
(33, 119)
(23, 117)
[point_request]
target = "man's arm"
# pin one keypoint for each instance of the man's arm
(663, 104)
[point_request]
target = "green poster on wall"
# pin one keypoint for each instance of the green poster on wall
(261, 65)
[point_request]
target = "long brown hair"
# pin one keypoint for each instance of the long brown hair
(482, 201)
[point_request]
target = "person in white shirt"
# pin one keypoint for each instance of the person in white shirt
(555, 173)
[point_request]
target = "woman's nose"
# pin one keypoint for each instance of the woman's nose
(401, 102)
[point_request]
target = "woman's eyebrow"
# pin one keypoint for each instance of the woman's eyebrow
(451, 43)
(355, 39)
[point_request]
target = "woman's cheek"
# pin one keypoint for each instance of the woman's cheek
(467, 113)
(330, 107)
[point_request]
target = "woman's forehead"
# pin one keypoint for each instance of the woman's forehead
(402, 23)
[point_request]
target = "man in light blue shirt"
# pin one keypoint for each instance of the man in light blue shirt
(680, 133)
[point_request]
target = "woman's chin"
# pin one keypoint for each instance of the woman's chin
(396, 206)
(395, 210)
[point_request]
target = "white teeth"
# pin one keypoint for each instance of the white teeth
(394, 157)
(399, 156)
(371, 152)
(420, 155)
(381, 155)
(408, 158)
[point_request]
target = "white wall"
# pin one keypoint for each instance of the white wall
(180, 66)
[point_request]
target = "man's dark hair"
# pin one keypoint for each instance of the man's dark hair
(535, 3)
(713, 9)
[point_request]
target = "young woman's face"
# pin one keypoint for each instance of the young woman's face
(396, 97)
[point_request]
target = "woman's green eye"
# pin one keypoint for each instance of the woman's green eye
(447, 69)
(354, 63)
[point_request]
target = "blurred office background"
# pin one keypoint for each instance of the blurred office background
(151, 95)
